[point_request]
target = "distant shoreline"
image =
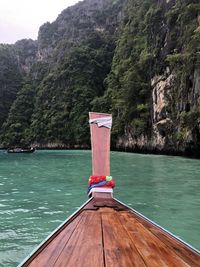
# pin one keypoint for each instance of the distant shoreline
(187, 154)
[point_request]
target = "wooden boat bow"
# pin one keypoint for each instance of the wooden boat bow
(104, 232)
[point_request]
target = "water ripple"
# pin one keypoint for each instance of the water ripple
(41, 192)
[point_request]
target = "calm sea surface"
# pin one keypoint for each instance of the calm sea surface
(39, 191)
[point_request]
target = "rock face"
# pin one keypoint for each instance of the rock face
(77, 22)
(161, 88)
(176, 134)
(138, 59)
(26, 51)
(171, 124)
(161, 97)
(171, 133)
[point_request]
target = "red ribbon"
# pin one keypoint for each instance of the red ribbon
(96, 179)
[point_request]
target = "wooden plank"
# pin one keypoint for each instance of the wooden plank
(84, 248)
(153, 251)
(186, 253)
(118, 247)
(100, 141)
(51, 252)
(101, 202)
(102, 195)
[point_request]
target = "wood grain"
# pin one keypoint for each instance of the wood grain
(105, 233)
(100, 141)
(118, 247)
(191, 257)
(51, 252)
(153, 251)
(84, 248)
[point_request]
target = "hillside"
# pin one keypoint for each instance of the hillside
(138, 59)
(155, 78)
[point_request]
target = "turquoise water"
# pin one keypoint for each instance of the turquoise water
(39, 191)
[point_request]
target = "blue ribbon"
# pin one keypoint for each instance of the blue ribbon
(97, 185)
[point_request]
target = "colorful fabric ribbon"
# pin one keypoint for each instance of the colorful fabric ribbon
(101, 181)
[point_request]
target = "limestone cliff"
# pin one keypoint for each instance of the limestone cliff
(76, 23)
(63, 72)
(138, 59)
(164, 55)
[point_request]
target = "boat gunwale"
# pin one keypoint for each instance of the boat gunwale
(48, 239)
(160, 227)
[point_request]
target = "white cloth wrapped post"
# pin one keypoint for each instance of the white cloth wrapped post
(101, 190)
(102, 122)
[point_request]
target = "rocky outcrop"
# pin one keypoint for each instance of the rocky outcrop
(161, 96)
(136, 59)
(167, 119)
(76, 23)
(26, 52)
(171, 133)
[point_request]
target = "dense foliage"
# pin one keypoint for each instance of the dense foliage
(104, 56)
(64, 97)
(129, 80)
(58, 90)
(10, 80)
(166, 41)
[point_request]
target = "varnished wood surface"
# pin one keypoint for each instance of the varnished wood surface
(100, 141)
(105, 233)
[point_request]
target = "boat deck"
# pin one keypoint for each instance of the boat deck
(105, 233)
